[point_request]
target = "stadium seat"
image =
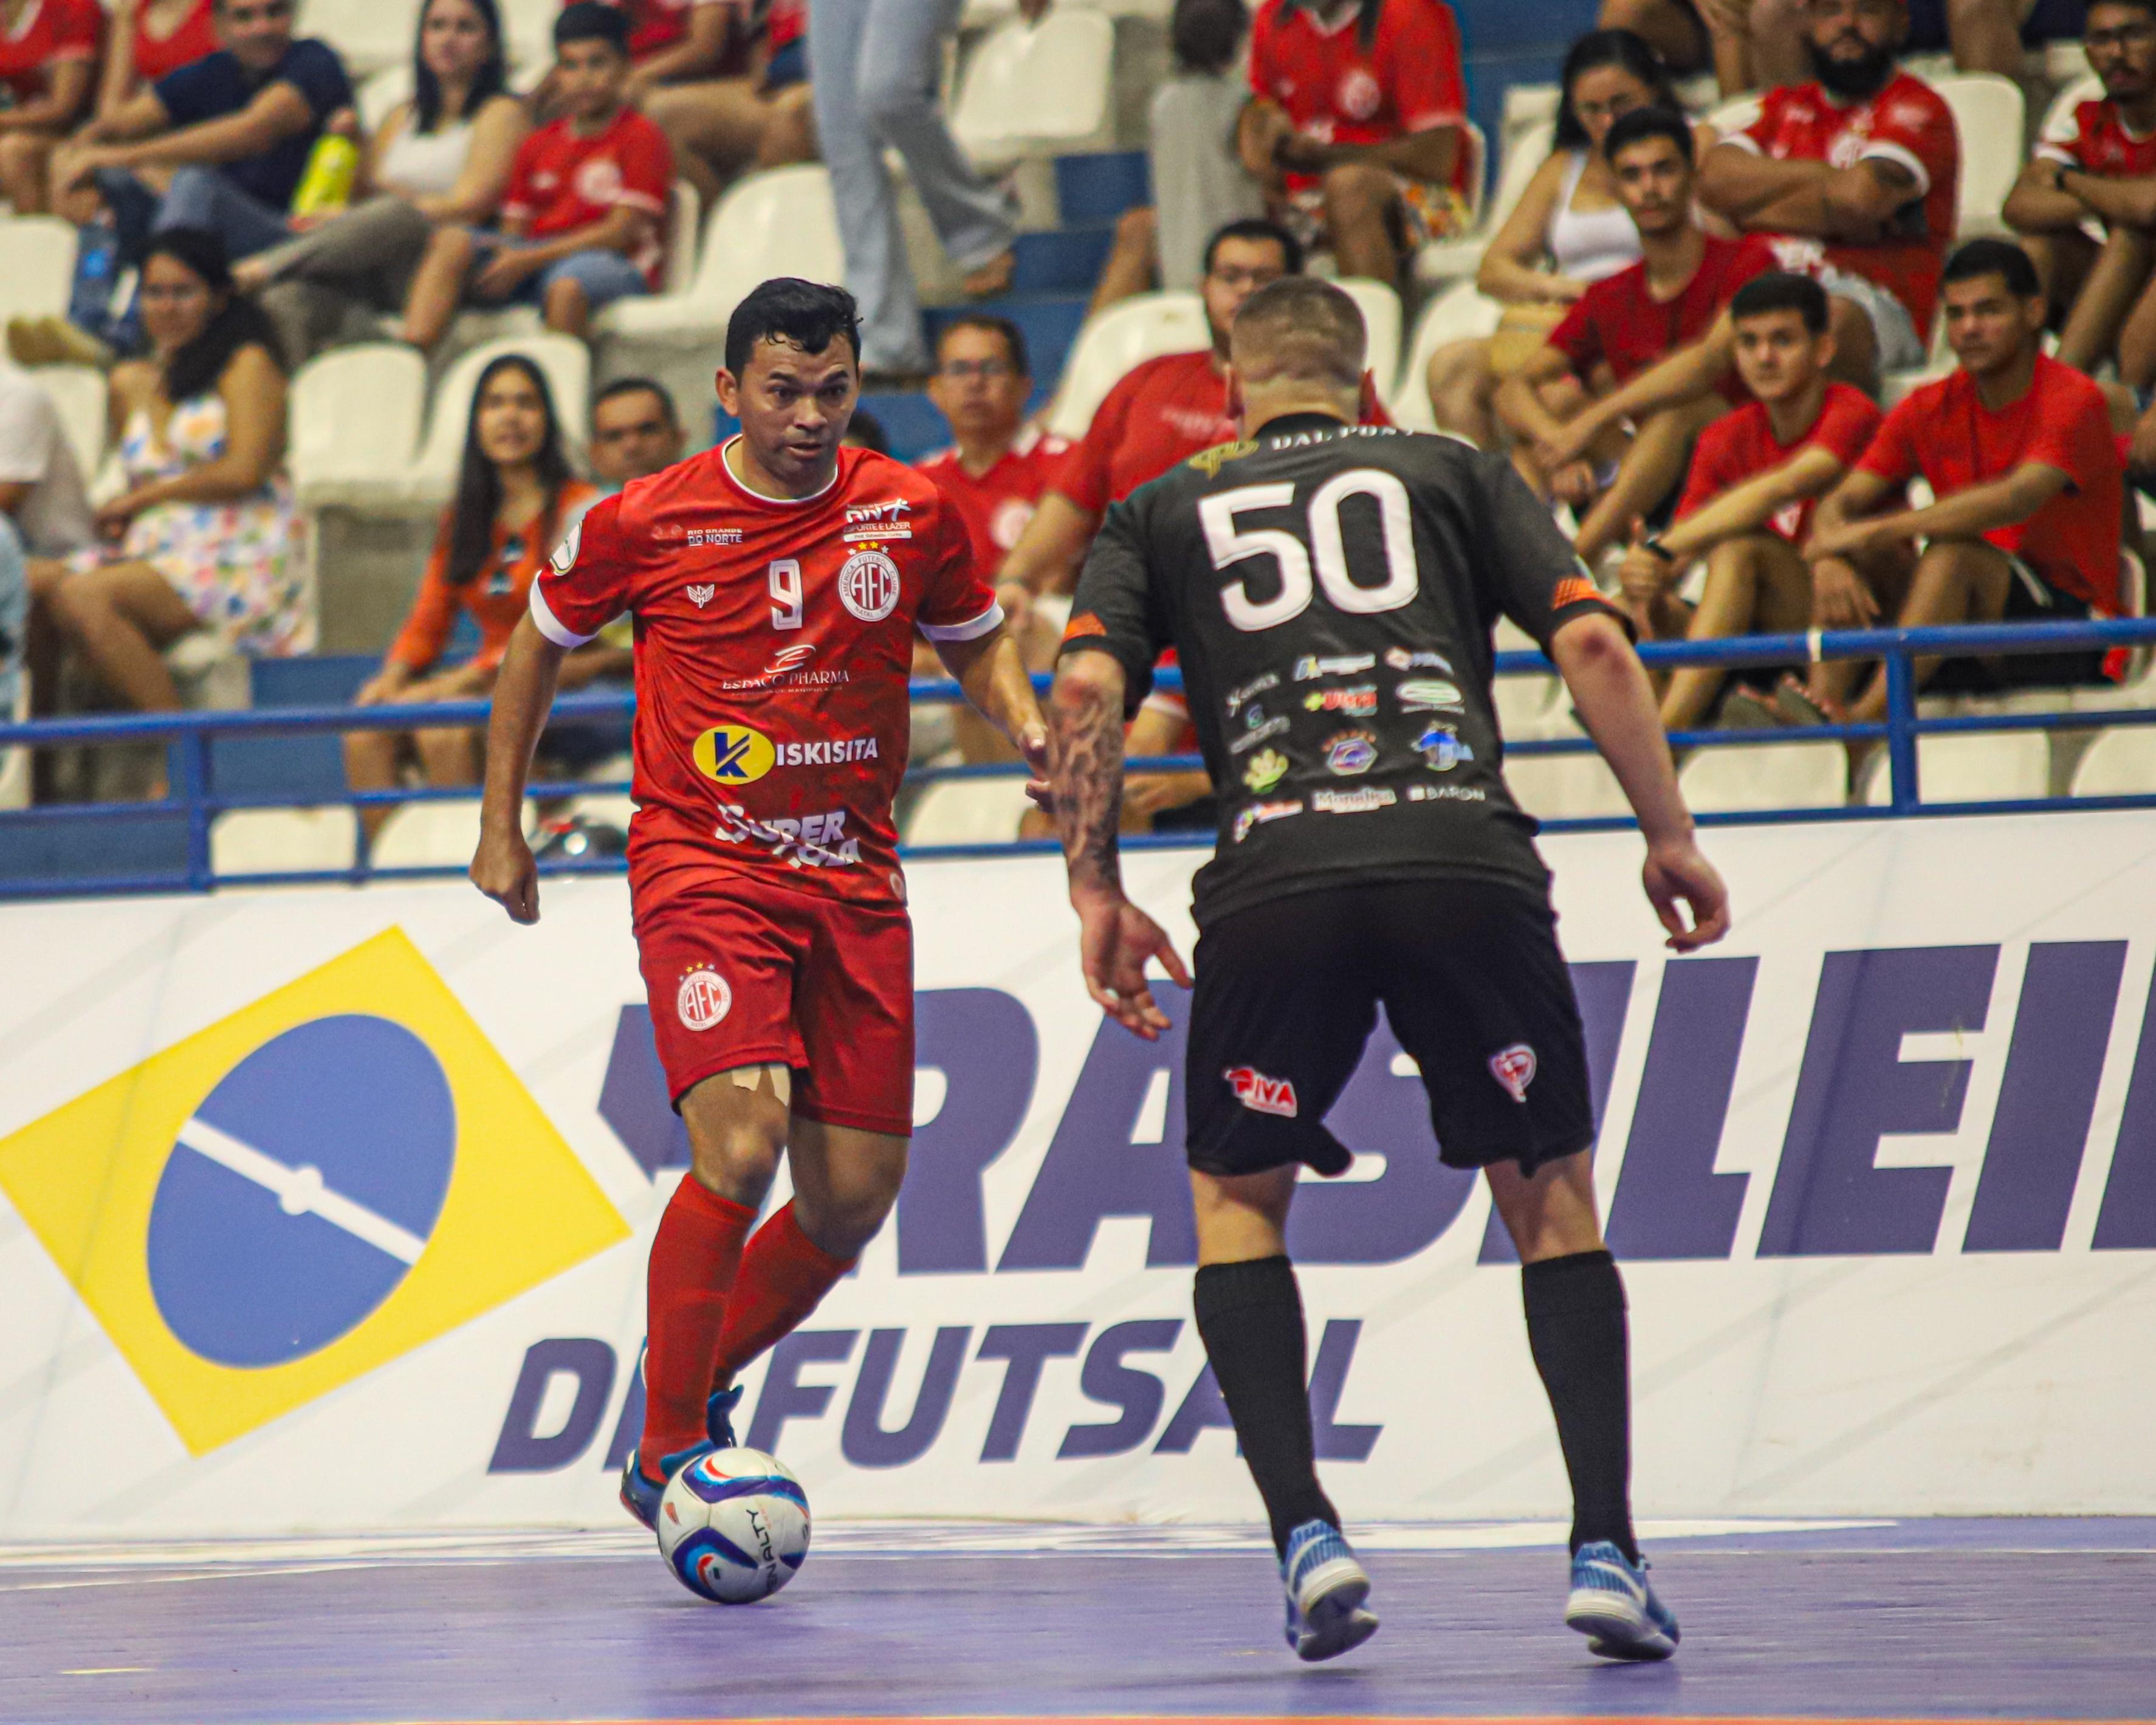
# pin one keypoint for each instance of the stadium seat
(431, 835)
(1380, 303)
(1989, 114)
(368, 34)
(1037, 90)
(1457, 315)
(1527, 706)
(354, 417)
(1116, 340)
(685, 218)
(1970, 767)
(566, 365)
(1565, 787)
(1791, 775)
(1448, 260)
(528, 27)
(15, 762)
(282, 841)
(1734, 114)
(40, 266)
(776, 223)
(2121, 762)
(79, 393)
(380, 93)
(968, 811)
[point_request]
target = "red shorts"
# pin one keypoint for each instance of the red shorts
(743, 974)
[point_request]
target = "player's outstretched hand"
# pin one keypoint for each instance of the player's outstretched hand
(1033, 744)
(504, 870)
(1116, 942)
(1680, 874)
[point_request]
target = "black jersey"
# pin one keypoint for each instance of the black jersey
(1329, 590)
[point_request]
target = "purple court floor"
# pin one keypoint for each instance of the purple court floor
(1877, 1619)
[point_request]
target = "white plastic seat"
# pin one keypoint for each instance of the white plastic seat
(78, 392)
(968, 811)
(1970, 767)
(1735, 115)
(355, 416)
(15, 761)
(1115, 341)
(380, 93)
(368, 34)
(1460, 313)
(1380, 303)
(776, 223)
(1989, 114)
(1528, 706)
(39, 255)
(432, 834)
(565, 362)
(1451, 259)
(2121, 762)
(282, 841)
(1565, 787)
(1037, 90)
(685, 216)
(1791, 775)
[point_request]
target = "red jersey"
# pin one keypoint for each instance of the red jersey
(495, 596)
(1159, 413)
(46, 33)
(1339, 90)
(997, 505)
(785, 24)
(560, 181)
(2097, 139)
(1907, 123)
(773, 642)
(653, 25)
(1619, 322)
(194, 36)
(1742, 445)
(1945, 432)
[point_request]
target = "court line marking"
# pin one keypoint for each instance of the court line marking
(300, 1191)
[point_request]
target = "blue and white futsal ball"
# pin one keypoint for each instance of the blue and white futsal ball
(734, 1526)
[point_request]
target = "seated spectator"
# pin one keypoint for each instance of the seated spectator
(219, 145)
(444, 155)
(1982, 35)
(587, 193)
(1358, 127)
(2020, 452)
(1666, 303)
(2099, 168)
(41, 486)
(635, 432)
(1854, 174)
(1690, 36)
(1748, 500)
(48, 63)
(1569, 231)
(206, 535)
(747, 109)
(515, 499)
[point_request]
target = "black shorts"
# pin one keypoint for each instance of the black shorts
(2032, 596)
(1470, 977)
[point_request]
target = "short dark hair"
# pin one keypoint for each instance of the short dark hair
(1641, 124)
(865, 431)
(1781, 291)
(2147, 6)
(638, 386)
(1013, 336)
(593, 21)
(809, 314)
(1257, 228)
(1307, 329)
(1994, 257)
(1204, 35)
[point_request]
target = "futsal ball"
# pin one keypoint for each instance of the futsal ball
(733, 1526)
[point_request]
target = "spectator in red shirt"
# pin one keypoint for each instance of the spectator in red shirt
(2099, 164)
(515, 499)
(1748, 501)
(743, 103)
(1357, 125)
(585, 199)
(47, 61)
(1670, 300)
(2021, 453)
(1854, 175)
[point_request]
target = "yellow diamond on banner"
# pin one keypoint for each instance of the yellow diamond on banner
(325, 1180)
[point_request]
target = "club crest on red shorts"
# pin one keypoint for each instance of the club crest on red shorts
(1514, 1068)
(1260, 1094)
(704, 998)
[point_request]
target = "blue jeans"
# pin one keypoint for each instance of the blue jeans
(14, 616)
(604, 276)
(873, 68)
(197, 197)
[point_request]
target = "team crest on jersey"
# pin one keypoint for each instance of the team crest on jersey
(1360, 93)
(1208, 461)
(1262, 1094)
(734, 754)
(699, 593)
(868, 586)
(703, 999)
(1514, 1068)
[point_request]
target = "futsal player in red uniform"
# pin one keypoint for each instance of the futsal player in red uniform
(776, 582)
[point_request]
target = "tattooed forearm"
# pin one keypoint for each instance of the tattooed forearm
(1085, 765)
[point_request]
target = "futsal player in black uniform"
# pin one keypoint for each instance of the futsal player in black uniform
(1330, 590)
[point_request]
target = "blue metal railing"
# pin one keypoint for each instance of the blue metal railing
(194, 800)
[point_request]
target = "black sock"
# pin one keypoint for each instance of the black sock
(1250, 1317)
(1576, 1330)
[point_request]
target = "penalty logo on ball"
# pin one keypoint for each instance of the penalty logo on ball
(733, 1527)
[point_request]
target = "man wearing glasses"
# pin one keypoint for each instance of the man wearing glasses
(222, 143)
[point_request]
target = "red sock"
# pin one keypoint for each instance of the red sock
(784, 1276)
(695, 1260)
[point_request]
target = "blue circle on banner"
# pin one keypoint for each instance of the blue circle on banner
(302, 1190)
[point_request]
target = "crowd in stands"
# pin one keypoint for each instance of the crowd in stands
(1722, 355)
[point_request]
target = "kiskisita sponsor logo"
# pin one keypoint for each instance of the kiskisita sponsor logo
(835, 751)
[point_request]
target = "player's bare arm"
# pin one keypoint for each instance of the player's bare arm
(503, 868)
(1685, 375)
(1610, 691)
(992, 672)
(1116, 939)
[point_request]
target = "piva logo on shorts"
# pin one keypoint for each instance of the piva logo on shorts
(1260, 1094)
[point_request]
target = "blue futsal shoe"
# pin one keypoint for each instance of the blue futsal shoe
(1613, 1605)
(640, 1496)
(1326, 1588)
